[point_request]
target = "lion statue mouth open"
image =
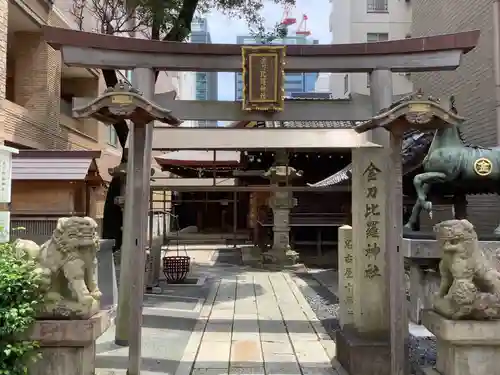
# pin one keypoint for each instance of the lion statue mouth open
(68, 264)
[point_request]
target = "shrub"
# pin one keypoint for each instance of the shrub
(20, 296)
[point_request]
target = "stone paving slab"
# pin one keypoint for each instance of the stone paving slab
(159, 356)
(252, 322)
(260, 323)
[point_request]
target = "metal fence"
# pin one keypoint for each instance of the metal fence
(40, 229)
(37, 229)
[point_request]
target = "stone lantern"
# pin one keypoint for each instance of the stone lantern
(281, 202)
(119, 103)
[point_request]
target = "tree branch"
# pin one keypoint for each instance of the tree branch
(182, 25)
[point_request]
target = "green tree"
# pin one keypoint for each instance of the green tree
(21, 294)
(168, 20)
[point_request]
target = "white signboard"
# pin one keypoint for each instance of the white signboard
(6, 173)
(4, 226)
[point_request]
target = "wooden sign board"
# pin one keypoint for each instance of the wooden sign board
(121, 99)
(263, 78)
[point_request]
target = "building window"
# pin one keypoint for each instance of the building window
(346, 83)
(377, 37)
(376, 6)
(371, 38)
(112, 136)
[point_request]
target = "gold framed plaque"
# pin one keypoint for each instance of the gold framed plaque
(263, 78)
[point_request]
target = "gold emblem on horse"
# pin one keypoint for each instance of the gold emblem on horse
(483, 167)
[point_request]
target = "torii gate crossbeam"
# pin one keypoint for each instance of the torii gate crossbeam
(440, 52)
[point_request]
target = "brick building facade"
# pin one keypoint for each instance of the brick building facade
(36, 89)
(4, 5)
(474, 84)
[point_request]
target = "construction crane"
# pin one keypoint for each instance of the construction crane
(302, 28)
(287, 20)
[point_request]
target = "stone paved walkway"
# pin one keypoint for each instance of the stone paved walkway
(258, 323)
(252, 322)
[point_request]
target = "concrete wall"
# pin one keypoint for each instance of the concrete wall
(473, 84)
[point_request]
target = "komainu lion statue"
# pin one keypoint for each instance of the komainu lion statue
(470, 285)
(69, 265)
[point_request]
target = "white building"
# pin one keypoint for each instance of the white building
(186, 90)
(322, 83)
(360, 21)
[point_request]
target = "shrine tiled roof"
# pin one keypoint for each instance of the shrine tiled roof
(315, 96)
(414, 148)
(311, 96)
(316, 124)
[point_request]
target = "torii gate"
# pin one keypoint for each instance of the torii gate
(380, 59)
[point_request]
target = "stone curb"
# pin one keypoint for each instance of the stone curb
(323, 337)
(187, 362)
(313, 319)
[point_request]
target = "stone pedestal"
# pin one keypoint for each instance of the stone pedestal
(428, 249)
(251, 256)
(346, 275)
(68, 346)
(153, 261)
(281, 203)
(106, 275)
(362, 355)
(464, 347)
(423, 285)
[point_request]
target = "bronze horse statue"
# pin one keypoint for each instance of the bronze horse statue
(449, 160)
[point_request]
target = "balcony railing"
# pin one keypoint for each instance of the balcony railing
(377, 6)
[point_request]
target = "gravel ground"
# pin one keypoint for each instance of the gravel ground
(422, 350)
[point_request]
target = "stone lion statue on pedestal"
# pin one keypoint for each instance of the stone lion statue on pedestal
(69, 265)
(470, 284)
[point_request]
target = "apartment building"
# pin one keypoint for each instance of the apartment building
(361, 21)
(36, 92)
(206, 82)
(474, 84)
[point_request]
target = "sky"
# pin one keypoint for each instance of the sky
(225, 30)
